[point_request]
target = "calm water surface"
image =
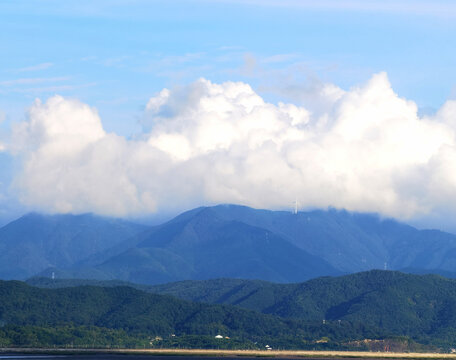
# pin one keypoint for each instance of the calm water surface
(146, 357)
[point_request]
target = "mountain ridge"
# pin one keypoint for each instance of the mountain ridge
(35, 241)
(206, 246)
(241, 242)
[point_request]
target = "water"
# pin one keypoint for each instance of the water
(139, 357)
(27, 356)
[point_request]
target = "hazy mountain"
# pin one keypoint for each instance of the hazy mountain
(35, 242)
(351, 241)
(202, 245)
(221, 241)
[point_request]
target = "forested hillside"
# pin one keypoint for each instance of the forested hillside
(422, 307)
(406, 304)
(34, 316)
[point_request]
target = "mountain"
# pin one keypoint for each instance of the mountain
(225, 241)
(231, 241)
(202, 245)
(35, 242)
(353, 242)
(348, 242)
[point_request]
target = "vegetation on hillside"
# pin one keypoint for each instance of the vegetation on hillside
(327, 312)
(121, 315)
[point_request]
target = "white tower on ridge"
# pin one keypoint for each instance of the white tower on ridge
(295, 211)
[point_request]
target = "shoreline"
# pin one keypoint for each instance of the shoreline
(231, 353)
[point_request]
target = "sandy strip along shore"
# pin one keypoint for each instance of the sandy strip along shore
(236, 353)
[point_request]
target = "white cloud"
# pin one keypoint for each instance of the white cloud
(32, 81)
(38, 67)
(222, 143)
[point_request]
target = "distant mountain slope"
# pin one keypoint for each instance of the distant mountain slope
(220, 241)
(201, 245)
(353, 242)
(35, 242)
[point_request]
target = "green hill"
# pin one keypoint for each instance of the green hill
(422, 307)
(128, 309)
(33, 316)
(403, 304)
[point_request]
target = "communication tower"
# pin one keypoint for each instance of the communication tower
(295, 210)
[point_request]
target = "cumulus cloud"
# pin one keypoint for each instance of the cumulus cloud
(222, 143)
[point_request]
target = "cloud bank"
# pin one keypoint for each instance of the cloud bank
(207, 143)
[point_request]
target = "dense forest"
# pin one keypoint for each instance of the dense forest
(328, 312)
(118, 316)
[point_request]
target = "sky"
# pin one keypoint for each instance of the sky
(140, 108)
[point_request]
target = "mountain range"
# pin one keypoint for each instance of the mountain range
(225, 241)
(35, 242)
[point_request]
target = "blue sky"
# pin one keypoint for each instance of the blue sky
(115, 55)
